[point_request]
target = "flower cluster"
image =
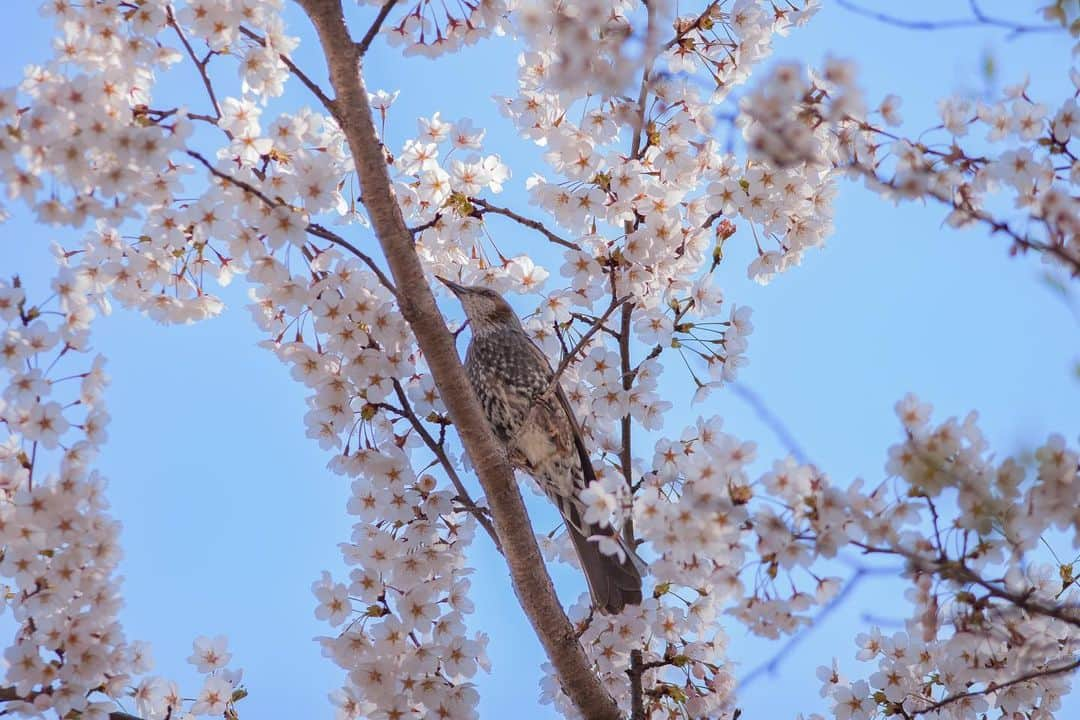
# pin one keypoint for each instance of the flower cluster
(60, 545)
(1015, 147)
(991, 630)
(432, 31)
(643, 194)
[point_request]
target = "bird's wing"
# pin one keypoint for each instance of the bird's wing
(588, 475)
(587, 472)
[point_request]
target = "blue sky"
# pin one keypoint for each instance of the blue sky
(229, 513)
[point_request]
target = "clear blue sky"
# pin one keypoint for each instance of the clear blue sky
(229, 514)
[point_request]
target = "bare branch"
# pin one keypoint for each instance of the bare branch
(311, 85)
(770, 666)
(1021, 241)
(416, 230)
(571, 356)
(978, 19)
(531, 582)
(199, 64)
(522, 220)
(448, 467)
(369, 36)
(994, 687)
(774, 423)
(957, 571)
(10, 694)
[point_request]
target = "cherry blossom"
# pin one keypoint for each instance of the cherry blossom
(638, 193)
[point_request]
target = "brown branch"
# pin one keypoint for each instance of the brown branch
(312, 228)
(626, 454)
(10, 694)
(448, 467)
(199, 64)
(994, 687)
(1020, 241)
(322, 232)
(957, 571)
(571, 356)
(416, 230)
(303, 77)
(522, 220)
(369, 36)
(704, 14)
(529, 576)
(651, 53)
(1069, 614)
(637, 697)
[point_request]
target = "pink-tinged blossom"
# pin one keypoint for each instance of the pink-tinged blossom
(210, 653)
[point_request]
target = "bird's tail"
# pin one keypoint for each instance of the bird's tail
(614, 582)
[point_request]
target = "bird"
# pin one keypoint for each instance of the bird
(536, 425)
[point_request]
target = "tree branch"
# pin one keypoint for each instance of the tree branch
(369, 36)
(957, 571)
(994, 687)
(199, 64)
(570, 357)
(9, 694)
(770, 666)
(771, 421)
(979, 19)
(533, 585)
(534, 224)
(310, 84)
(312, 228)
(1021, 241)
(637, 696)
(448, 467)
(686, 29)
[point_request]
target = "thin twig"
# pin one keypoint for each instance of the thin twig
(957, 571)
(692, 26)
(311, 85)
(426, 226)
(485, 206)
(312, 228)
(369, 36)
(1020, 241)
(980, 19)
(571, 356)
(200, 64)
(994, 687)
(770, 666)
(437, 450)
(771, 420)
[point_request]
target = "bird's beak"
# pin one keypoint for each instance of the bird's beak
(454, 287)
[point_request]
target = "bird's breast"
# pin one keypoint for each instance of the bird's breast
(507, 373)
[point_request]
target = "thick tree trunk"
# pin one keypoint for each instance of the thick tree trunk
(529, 575)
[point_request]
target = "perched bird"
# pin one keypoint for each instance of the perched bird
(512, 379)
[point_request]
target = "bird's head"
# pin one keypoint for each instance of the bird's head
(485, 308)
